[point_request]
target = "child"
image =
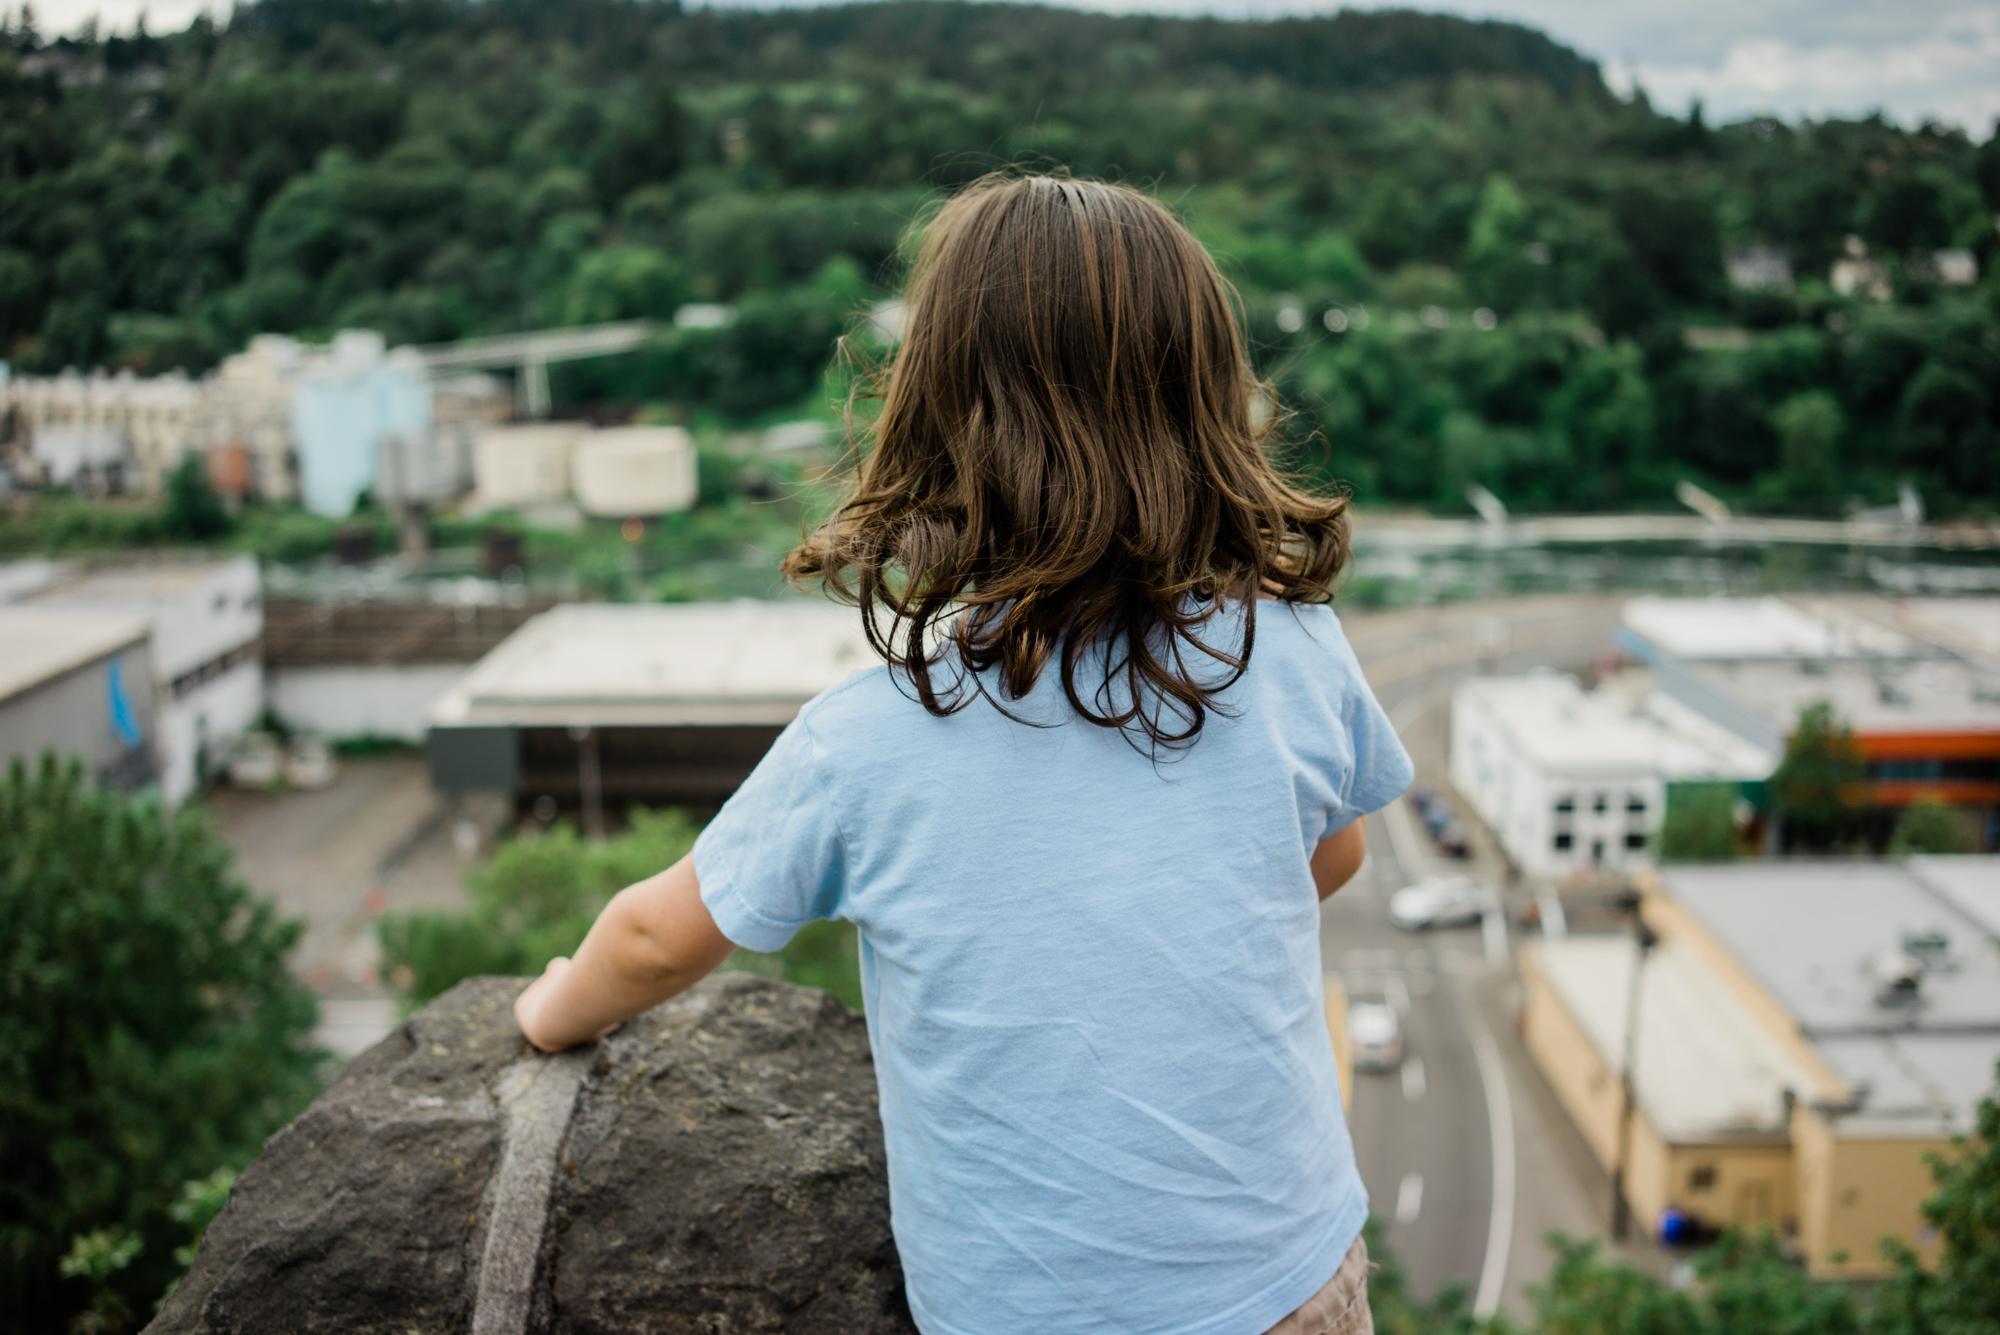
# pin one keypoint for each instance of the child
(1084, 817)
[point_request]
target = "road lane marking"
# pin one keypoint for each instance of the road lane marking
(1410, 1198)
(1493, 930)
(1500, 1121)
(1398, 992)
(1555, 923)
(1413, 1078)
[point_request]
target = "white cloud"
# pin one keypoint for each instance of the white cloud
(55, 17)
(1950, 72)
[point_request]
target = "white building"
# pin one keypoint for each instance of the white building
(1569, 779)
(598, 706)
(347, 401)
(207, 618)
(145, 424)
(275, 418)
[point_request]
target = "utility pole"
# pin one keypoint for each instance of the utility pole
(1621, 1208)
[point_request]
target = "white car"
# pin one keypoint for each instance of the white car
(1374, 1036)
(1449, 900)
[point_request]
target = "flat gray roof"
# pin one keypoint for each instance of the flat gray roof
(1926, 695)
(45, 642)
(1705, 1069)
(1968, 882)
(626, 665)
(1808, 932)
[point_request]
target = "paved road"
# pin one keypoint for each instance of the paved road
(1426, 1137)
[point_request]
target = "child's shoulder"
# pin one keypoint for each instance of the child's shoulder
(1308, 631)
(863, 695)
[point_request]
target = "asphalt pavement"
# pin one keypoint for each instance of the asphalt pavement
(1468, 1159)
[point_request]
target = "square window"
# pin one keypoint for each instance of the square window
(1565, 805)
(1636, 805)
(1599, 803)
(1564, 839)
(1635, 839)
(1701, 1177)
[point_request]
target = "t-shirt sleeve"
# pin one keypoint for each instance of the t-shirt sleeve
(1382, 768)
(771, 861)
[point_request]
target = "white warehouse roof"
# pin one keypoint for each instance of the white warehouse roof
(43, 643)
(1617, 729)
(613, 665)
(1705, 1066)
(1749, 628)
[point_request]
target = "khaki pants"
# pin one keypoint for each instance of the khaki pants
(1341, 1308)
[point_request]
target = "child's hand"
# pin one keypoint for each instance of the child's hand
(529, 1005)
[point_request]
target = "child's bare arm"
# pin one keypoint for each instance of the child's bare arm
(1339, 856)
(653, 940)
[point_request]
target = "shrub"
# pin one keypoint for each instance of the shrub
(149, 1032)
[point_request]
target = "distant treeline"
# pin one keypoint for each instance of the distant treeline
(1373, 181)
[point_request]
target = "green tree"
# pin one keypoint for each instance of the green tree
(1700, 824)
(1960, 1295)
(149, 1032)
(192, 510)
(1932, 825)
(536, 897)
(1822, 761)
(1810, 425)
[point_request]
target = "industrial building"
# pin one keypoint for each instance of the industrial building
(1919, 687)
(1805, 1034)
(590, 707)
(1569, 779)
(78, 685)
(373, 669)
(206, 617)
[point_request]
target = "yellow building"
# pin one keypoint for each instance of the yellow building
(1806, 1033)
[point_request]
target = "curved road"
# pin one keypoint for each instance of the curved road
(1426, 1137)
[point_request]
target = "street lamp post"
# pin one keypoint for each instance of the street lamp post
(1621, 1208)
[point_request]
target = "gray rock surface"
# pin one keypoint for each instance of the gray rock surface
(715, 1165)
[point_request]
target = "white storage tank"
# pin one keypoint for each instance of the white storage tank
(525, 464)
(634, 471)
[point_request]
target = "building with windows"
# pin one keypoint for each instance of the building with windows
(1569, 779)
(1919, 683)
(1805, 1034)
(205, 619)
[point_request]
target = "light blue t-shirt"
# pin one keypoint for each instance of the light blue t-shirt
(1093, 982)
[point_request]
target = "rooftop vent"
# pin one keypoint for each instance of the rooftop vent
(1928, 945)
(1899, 978)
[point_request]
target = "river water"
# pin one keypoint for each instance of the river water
(1392, 572)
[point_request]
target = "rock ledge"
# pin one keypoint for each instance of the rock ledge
(715, 1165)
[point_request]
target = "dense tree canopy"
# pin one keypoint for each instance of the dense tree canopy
(441, 168)
(150, 1034)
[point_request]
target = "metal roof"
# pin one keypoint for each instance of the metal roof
(1970, 883)
(1705, 1067)
(1753, 628)
(611, 665)
(42, 643)
(1808, 932)
(1628, 728)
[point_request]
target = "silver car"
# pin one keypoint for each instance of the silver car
(1374, 1036)
(1448, 900)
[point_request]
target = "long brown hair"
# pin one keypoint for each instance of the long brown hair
(1066, 453)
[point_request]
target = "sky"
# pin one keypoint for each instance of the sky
(1911, 59)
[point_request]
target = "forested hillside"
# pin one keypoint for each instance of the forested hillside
(1461, 257)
